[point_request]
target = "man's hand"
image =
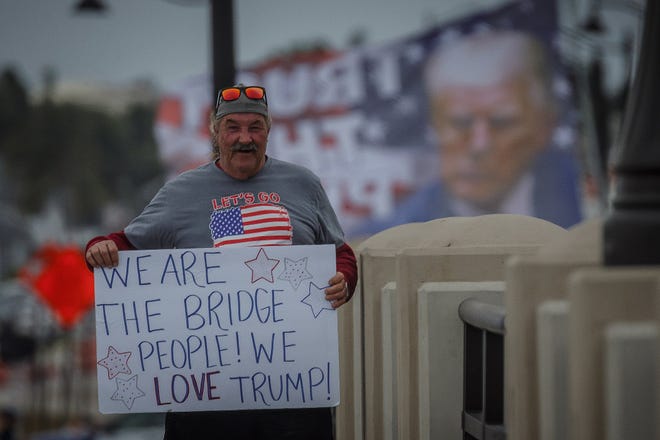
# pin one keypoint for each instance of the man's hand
(103, 254)
(337, 292)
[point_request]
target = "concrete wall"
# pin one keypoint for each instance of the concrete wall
(531, 282)
(440, 365)
(559, 306)
(578, 337)
(404, 306)
(598, 298)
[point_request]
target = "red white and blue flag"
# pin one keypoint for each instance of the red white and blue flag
(261, 224)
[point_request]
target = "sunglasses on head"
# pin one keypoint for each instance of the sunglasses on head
(233, 93)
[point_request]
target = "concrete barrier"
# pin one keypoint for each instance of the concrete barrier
(470, 249)
(440, 369)
(402, 339)
(348, 420)
(376, 265)
(630, 388)
(552, 355)
(600, 297)
(531, 281)
(388, 357)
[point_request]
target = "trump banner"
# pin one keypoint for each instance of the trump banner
(471, 117)
(211, 329)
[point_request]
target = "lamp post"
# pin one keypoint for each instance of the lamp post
(632, 229)
(90, 6)
(222, 44)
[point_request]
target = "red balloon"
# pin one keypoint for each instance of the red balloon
(59, 276)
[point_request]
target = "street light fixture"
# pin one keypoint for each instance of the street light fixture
(90, 6)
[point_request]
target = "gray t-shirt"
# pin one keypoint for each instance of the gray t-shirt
(283, 204)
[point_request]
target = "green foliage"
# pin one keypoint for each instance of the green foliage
(76, 155)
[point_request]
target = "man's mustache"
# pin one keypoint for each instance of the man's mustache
(244, 147)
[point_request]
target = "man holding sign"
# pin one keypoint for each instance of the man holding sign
(241, 198)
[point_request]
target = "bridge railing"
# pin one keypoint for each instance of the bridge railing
(574, 357)
(483, 369)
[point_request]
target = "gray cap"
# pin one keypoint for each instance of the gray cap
(241, 105)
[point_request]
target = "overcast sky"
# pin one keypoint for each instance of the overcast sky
(167, 40)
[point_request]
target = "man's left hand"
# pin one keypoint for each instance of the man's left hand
(337, 293)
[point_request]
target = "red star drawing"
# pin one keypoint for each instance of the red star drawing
(115, 362)
(262, 266)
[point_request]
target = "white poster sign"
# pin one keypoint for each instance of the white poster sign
(211, 329)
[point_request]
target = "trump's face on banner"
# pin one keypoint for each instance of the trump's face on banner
(491, 114)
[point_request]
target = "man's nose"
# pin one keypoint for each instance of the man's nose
(244, 136)
(480, 137)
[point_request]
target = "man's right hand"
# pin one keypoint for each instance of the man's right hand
(103, 254)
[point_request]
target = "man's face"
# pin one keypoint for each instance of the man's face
(242, 139)
(489, 134)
